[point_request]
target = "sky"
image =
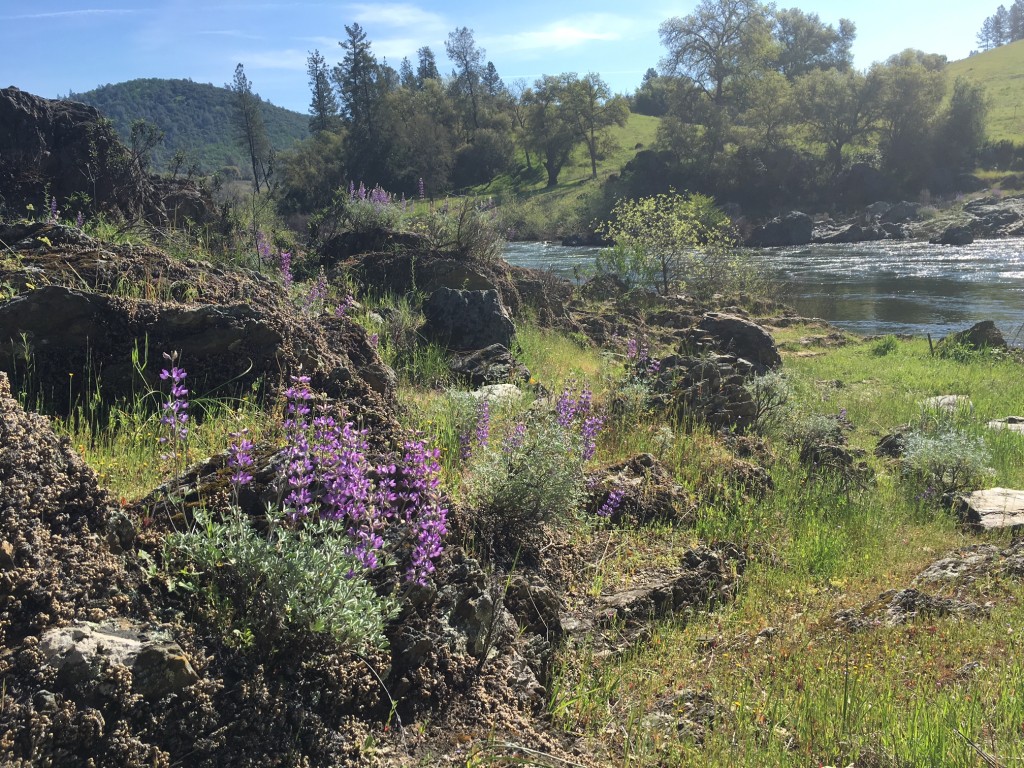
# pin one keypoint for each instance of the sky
(53, 47)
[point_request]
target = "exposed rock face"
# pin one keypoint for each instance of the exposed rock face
(490, 365)
(993, 508)
(736, 336)
(1011, 423)
(995, 217)
(795, 228)
(57, 331)
(954, 235)
(57, 149)
(900, 213)
(467, 320)
(707, 389)
(983, 335)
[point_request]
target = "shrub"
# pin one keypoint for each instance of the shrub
(884, 346)
(682, 240)
(770, 394)
(946, 460)
(523, 480)
(267, 590)
(464, 229)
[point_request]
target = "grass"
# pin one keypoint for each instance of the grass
(540, 212)
(1001, 71)
(789, 686)
(806, 692)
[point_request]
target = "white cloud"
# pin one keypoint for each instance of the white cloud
(70, 14)
(400, 15)
(563, 34)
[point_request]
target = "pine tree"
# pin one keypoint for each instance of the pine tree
(250, 130)
(323, 109)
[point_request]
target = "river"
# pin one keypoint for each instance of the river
(870, 288)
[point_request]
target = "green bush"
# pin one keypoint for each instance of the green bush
(884, 346)
(275, 589)
(533, 475)
(946, 460)
(463, 229)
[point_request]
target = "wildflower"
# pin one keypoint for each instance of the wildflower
(481, 433)
(263, 250)
(374, 340)
(422, 189)
(299, 471)
(175, 410)
(285, 265)
(54, 213)
(80, 220)
(240, 459)
(417, 499)
(346, 304)
(514, 440)
(611, 504)
(317, 292)
(632, 349)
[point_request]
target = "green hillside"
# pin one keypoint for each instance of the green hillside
(195, 117)
(1001, 71)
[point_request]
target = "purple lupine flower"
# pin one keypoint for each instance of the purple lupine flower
(317, 292)
(351, 190)
(80, 220)
(417, 499)
(611, 504)
(515, 439)
(175, 410)
(240, 459)
(653, 366)
(589, 430)
(263, 249)
(374, 340)
(285, 265)
(578, 410)
(632, 349)
(54, 213)
(361, 192)
(299, 470)
(346, 304)
(481, 433)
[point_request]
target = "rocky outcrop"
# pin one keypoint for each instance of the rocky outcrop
(992, 509)
(851, 233)
(467, 320)
(638, 491)
(490, 365)
(737, 336)
(983, 335)
(60, 150)
(996, 217)
(954, 235)
(900, 213)
(795, 228)
(709, 389)
(67, 343)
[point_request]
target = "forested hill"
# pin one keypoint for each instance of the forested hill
(195, 117)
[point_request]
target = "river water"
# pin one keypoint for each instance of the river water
(870, 288)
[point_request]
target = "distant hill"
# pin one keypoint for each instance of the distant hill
(1001, 71)
(195, 117)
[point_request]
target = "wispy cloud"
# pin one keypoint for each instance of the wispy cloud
(563, 34)
(71, 14)
(400, 15)
(236, 33)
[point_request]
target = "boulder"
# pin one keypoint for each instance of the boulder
(983, 335)
(88, 651)
(736, 336)
(644, 491)
(901, 212)
(992, 509)
(490, 365)
(1010, 423)
(795, 228)
(948, 403)
(954, 235)
(467, 320)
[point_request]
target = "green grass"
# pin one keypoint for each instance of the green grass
(547, 213)
(1001, 71)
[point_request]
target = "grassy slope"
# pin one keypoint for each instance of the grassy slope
(1001, 71)
(558, 207)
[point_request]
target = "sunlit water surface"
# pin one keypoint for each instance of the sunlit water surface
(870, 288)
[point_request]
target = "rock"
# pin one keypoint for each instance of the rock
(894, 444)
(877, 209)
(900, 212)
(646, 492)
(983, 335)
(59, 149)
(954, 235)
(992, 509)
(949, 403)
(795, 228)
(490, 365)
(94, 337)
(535, 606)
(1011, 423)
(736, 336)
(709, 389)
(499, 395)
(88, 651)
(467, 320)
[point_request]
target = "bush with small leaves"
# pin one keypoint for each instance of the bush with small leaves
(946, 460)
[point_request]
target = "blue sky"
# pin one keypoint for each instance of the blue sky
(51, 47)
